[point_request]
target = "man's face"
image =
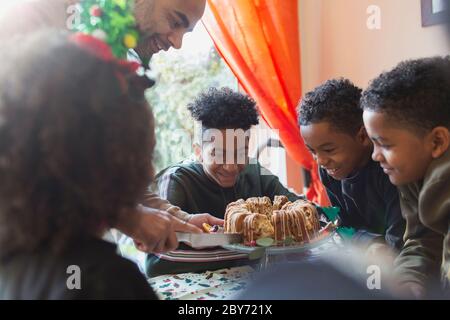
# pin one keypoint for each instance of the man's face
(163, 23)
(340, 154)
(224, 157)
(404, 155)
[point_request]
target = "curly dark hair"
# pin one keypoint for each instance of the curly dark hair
(224, 109)
(336, 101)
(416, 93)
(75, 144)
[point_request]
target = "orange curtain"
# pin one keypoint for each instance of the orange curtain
(259, 40)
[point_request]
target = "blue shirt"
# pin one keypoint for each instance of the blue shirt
(369, 202)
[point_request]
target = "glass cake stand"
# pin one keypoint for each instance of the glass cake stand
(295, 252)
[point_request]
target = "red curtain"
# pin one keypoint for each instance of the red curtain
(259, 40)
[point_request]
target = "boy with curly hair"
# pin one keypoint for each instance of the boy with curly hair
(76, 141)
(332, 127)
(407, 116)
(222, 173)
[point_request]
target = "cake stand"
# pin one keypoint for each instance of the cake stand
(307, 251)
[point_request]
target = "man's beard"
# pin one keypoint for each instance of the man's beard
(143, 10)
(144, 50)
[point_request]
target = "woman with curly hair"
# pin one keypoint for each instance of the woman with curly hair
(161, 25)
(76, 142)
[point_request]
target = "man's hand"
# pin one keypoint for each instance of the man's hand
(199, 219)
(154, 230)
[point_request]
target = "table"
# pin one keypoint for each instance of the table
(221, 284)
(225, 284)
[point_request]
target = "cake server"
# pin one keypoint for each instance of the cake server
(201, 240)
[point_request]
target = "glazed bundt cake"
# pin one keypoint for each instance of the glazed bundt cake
(257, 218)
(298, 220)
(257, 226)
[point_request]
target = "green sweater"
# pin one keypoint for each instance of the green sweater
(188, 187)
(426, 208)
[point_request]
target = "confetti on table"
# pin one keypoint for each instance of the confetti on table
(211, 285)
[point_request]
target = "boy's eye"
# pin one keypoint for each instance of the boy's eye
(381, 145)
(329, 150)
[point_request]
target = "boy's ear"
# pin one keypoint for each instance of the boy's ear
(363, 137)
(197, 151)
(440, 141)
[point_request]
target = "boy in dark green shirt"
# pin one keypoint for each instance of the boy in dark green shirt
(222, 173)
(188, 186)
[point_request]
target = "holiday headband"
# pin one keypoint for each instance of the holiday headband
(101, 50)
(111, 21)
(107, 29)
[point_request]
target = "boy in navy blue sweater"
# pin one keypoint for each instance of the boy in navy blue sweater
(332, 128)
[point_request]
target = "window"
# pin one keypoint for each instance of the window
(180, 76)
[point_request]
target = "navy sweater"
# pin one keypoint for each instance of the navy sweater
(369, 203)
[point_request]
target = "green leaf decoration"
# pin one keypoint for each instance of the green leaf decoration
(346, 233)
(112, 21)
(265, 242)
(332, 213)
(288, 241)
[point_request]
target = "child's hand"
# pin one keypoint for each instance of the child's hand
(408, 290)
(199, 219)
(381, 251)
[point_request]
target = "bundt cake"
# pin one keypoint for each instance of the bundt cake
(257, 226)
(281, 220)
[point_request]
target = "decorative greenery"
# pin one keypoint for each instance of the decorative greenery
(289, 241)
(265, 242)
(111, 21)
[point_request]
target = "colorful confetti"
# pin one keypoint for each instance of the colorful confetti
(218, 285)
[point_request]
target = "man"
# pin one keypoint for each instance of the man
(162, 24)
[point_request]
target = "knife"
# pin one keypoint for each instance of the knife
(202, 240)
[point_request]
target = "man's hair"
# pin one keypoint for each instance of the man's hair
(336, 101)
(415, 93)
(75, 144)
(224, 109)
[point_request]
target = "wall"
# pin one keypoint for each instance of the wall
(336, 41)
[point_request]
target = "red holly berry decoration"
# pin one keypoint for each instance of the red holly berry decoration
(96, 11)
